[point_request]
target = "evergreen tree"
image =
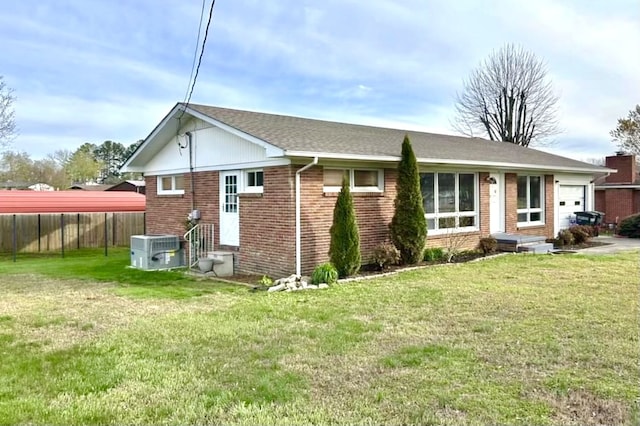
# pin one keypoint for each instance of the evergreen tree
(344, 250)
(408, 226)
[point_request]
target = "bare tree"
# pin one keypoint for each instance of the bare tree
(7, 115)
(508, 98)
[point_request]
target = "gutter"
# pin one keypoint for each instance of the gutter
(448, 162)
(298, 230)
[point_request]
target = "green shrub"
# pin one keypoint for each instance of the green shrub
(630, 226)
(344, 249)
(408, 226)
(433, 254)
(488, 245)
(385, 255)
(565, 238)
(265, 280)
(581, 233)
(324, 273)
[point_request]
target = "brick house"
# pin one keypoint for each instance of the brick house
(269, 183)
(618, 194)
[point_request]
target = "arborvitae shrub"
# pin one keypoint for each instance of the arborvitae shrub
(344, 250)
(408, 226)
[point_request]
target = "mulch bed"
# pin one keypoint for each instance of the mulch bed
(371, 270)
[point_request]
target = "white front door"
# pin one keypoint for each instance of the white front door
(496, 203)
(229, 208)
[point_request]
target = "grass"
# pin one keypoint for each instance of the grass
(511, 340)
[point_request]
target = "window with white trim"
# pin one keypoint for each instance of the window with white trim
(171, 185)
(450, 200)
(254, 181)
(530, 200)
(360, 180)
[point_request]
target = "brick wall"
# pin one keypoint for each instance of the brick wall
(619, 203)
(267, 225)
(511, 208)
(626, 166)
(167, 214)
(267, 220)
(373, 211)
(600, 202)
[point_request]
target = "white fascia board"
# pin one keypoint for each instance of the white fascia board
(148, 140)
(621, 186)
(272, 151)
(439, 161)
(221, 167)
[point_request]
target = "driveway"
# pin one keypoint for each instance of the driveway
(613, 245)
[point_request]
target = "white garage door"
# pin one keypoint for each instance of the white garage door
(570, 200)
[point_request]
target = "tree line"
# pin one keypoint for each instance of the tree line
(90, 163)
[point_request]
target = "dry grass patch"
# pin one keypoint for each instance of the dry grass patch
(513, 340)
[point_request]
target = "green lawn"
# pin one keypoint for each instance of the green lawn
(511, 340)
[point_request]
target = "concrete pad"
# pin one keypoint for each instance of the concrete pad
(614, 245)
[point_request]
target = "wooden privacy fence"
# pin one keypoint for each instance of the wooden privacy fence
(32, 233)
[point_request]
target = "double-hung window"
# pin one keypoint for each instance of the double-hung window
(171, 185)
(253, 181)
(450, 200)
(530, 200)
(360, 180)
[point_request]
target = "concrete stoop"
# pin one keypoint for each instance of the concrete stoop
(522, 243)
(536, 248)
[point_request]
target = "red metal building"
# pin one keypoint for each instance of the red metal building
(70, 202)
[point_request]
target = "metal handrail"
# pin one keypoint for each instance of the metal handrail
(200, 241)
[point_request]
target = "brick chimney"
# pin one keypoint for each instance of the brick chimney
(626, 166)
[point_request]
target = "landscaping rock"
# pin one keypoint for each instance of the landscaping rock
(278, 287)
(294, 283)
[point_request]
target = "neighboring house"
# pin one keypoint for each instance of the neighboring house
(13, 186)
(90, 187)
(41, 187)
(618, 193)
(137, 186)
(269, 184)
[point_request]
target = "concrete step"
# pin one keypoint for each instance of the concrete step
(513, 242)
(536, 248)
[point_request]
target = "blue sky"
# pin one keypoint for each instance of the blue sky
(95, 70)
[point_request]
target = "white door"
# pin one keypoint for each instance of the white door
(570, 200)
(496, 203)
(229, 209)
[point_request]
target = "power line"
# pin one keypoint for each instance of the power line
(195, 52)
(204, 42)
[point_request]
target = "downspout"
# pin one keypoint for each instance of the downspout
(298, 231)
(193, 189)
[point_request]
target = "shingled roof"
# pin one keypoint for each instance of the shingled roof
(298, 136)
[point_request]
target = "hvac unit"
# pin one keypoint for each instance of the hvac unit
(151, 252)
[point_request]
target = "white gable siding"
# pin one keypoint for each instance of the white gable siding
(213, 148)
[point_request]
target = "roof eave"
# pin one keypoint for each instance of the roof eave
(485, 164)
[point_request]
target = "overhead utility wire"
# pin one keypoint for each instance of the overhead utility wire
(204, 42)
(195, 51)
